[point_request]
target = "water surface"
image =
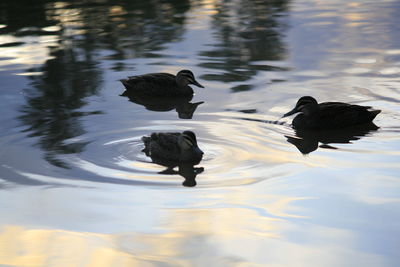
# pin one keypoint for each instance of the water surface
(76, 189)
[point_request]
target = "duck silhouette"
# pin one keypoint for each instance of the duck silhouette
(174, 146)
(162, 84)
(175, 150)
(329, 115)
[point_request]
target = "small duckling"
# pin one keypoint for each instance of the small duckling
(329, 115)
(162, 84)
(173, 147)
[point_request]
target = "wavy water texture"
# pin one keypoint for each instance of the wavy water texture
(77, 189)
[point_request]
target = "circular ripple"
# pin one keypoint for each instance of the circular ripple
(237, 152)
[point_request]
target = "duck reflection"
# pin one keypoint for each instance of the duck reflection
(182, 104)
(175, 150)
(186, 170)
(308, 141)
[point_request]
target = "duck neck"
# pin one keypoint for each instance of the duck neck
(181, 81)
(193, 154)
(311, 110)
(182, 87)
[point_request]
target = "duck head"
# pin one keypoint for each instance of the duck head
(188, 143)
(185, 77)
(305, 105)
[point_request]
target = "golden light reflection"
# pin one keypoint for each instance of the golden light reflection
(237, 214)
(226, 223)
(31, 52)
(117, 11)
(24, 247)
(70, 19)
(209, 7)
(201, 234)
(354, 16)
(21, 246)
(254, 144)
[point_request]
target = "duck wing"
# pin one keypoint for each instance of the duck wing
(151, 77)
(150, 84)
(164, 145)
(340, 115)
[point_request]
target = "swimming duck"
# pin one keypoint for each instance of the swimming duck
(329, 115)
(173, 147)
(162, 84)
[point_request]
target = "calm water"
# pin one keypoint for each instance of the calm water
(76, 190)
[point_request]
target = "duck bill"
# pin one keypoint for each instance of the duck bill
(197, 84)
(293, 111)
(199, 151)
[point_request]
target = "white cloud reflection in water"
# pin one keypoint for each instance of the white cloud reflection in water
(223, 227)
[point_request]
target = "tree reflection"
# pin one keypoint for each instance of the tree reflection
(84, 28)
(52, 111)
(248, 31)
(140, 28)
(128, 28)
(17, 14)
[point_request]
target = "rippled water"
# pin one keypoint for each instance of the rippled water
(77, 190)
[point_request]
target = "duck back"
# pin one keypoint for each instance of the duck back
(333, 115)
(172, 147)
(161, 145)
(156, 84)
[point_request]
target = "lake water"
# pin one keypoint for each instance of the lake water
(76, 189)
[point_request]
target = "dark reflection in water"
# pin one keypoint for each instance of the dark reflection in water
(24, 13)
(118, 24)
(186, 170)
(253, 33)
(182, 105)
(128, 28)
(140, 28)
(131, 28)
(52, 110)
(308, 141)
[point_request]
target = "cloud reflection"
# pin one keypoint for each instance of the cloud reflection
(222, 229)
(200, 235)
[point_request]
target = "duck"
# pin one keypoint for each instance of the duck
(172, 147)
(329, 115)
(162, 84)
